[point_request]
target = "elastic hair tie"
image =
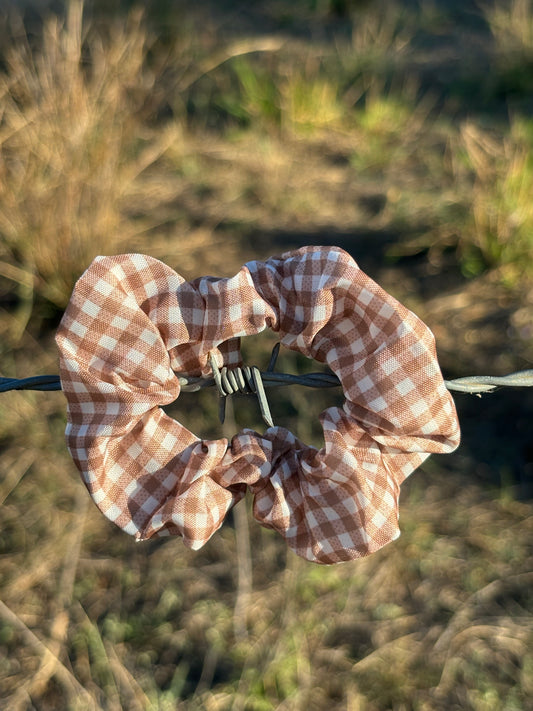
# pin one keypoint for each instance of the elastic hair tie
(133, 324)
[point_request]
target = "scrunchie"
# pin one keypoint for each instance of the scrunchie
(133, 323)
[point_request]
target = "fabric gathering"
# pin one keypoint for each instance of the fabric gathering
(133, 325)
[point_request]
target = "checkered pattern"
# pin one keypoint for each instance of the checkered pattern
(133, 323)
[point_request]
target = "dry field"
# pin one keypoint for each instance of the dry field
(207, 134)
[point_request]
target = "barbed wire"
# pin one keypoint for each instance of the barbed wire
(473, 384)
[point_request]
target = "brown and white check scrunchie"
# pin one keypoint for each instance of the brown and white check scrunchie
(133, 323)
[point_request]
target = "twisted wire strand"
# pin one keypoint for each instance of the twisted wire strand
(36, 382)
(487, 383)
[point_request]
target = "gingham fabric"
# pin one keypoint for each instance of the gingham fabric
(133, 323)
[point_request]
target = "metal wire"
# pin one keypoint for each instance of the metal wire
(37, 382)
(474, 384)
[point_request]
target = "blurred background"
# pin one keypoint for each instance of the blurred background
(212, 132)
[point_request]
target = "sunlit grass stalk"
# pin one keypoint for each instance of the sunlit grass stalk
(501, 229)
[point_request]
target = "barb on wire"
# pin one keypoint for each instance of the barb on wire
(243, 380)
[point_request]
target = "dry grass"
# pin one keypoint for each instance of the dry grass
(512, 27)
(207, 151)
(74, 145)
